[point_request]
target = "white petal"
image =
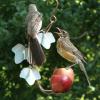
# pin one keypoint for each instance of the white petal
(40, 37)
(19, 53)
(30, 79)
(24, 73)
(18, 47)
(36, 73)
(43, 40)
(27, 74)
(50, 37)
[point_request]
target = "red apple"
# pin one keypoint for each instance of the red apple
(64, 71)
(62, 80)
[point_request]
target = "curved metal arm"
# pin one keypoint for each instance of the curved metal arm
(53, 18)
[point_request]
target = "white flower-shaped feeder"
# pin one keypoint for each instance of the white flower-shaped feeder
(30, 74)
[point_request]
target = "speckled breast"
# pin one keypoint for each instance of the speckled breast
(64, 53)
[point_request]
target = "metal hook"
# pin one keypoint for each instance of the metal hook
(48, 92)
(54, 11)
(53, 18)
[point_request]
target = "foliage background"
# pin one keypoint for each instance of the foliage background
(75, 16)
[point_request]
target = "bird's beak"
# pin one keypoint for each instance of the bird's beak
(59, 31)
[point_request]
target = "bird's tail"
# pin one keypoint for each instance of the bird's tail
(38, 56)
(84, 70)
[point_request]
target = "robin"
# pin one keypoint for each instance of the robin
(34, 24)
(67, 50)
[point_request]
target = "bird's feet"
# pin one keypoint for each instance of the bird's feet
(71, 66)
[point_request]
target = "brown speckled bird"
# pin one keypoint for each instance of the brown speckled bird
(34, 24)
(67, 50)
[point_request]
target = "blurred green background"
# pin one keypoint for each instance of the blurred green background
(75, 16)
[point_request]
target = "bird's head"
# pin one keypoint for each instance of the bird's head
(62, 33)
(33, 10)
(32, 7)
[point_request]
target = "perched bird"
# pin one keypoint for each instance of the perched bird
(34, 24)
(67, 50)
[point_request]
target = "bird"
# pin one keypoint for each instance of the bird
(34, 24)
(67, 50)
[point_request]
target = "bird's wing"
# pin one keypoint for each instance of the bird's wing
(62, 44)
(68, 45)
(34, 23)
